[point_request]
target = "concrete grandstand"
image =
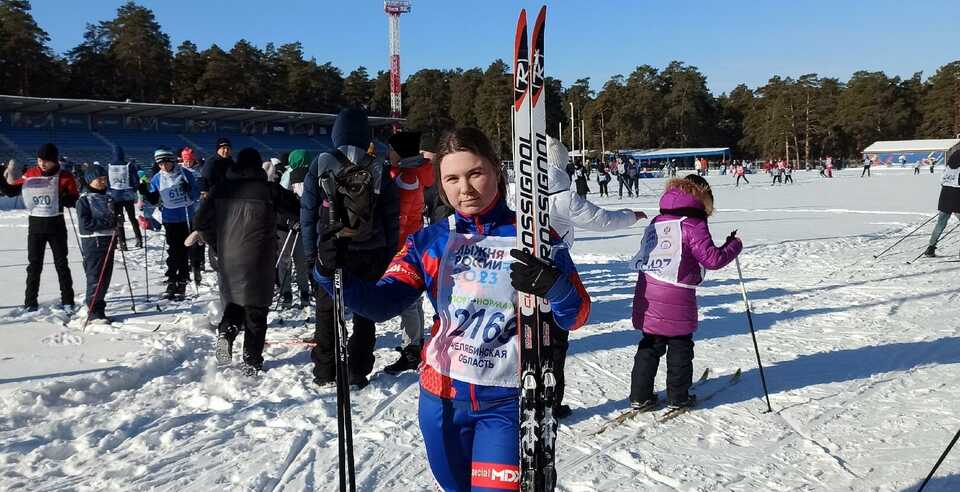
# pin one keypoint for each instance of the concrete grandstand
(88, 130)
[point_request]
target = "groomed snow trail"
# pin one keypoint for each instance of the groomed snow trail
(861, 360)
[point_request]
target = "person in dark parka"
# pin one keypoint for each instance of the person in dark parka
(239, 223)
(366, 258)
(99, 229)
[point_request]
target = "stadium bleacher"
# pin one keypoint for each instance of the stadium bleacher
(88, 131)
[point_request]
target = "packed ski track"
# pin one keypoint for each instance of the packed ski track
(861, 359)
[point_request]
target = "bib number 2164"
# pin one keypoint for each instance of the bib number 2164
(491, 327)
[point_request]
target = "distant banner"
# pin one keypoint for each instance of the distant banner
(72, 121)
(907, 159)
(107, 122)
(171, 125)
(278, 129)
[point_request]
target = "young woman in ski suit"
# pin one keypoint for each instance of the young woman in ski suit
(469, 378)
(675, 251)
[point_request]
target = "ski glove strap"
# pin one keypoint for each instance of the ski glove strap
(531, 274)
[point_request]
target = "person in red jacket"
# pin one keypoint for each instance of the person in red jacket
(46, 190)
(412, 174)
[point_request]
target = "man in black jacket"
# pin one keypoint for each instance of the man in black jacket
(239, 223)
(367, 257)
(215, 168)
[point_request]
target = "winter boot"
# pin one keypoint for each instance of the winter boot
(409, 360)
(646, 405)
(139, 243)
(304, 299)
(171, 292)
(930, 252)
(686, 403)
(250, 369)
(358, 381)
(181, 288)
(197, 275)
(286, 300)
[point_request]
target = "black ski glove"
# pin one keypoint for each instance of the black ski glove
(532, 275)
(331, 251)
(185, 186)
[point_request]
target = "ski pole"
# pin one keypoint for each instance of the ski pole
(103, 269)
(753, 335)
(286, 271)
(939, 461)
(939, 239)
(73, 222)
(186, 212)
(904, 237)
(344, 419)
(123, 257)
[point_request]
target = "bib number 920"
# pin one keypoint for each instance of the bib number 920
(42, 200)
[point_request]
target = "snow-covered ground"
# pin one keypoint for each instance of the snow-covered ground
(861, 359)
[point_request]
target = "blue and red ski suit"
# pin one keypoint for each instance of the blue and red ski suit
(471, 432)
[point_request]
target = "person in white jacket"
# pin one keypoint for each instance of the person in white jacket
(567, 211)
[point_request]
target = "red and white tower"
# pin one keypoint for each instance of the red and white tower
(394, 8)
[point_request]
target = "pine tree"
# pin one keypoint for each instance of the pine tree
(427, 104)
(380, 100)
(358, 88)
(249, 72)
(92, 72)
(215, 86)
(140, 53)
(492, 106)
(188, 68)
(463, 95)
(939, 107)
(26, 62)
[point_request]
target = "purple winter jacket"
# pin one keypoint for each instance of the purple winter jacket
(660, 308)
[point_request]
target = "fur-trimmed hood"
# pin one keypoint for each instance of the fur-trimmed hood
(681, 193)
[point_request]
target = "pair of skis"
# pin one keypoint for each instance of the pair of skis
(538, 426)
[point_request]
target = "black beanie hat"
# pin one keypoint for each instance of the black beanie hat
(48, 152)
(406, 144)
(223, 142)
(249, 157)
(351, 128)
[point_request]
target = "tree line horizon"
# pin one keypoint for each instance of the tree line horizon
(802, 118)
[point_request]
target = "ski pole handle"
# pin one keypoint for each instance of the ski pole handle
(329, 185)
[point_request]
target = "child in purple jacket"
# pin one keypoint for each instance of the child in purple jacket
(675, 252)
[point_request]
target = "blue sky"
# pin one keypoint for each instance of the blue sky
(731, 41)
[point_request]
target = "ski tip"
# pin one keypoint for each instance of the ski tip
(541, 17)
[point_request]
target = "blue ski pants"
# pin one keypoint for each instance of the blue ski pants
(471, 446)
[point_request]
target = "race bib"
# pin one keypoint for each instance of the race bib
(41, 195)
(171, 191)
(119, 177)
(951, 177)
(476, 340)
(661, 250)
